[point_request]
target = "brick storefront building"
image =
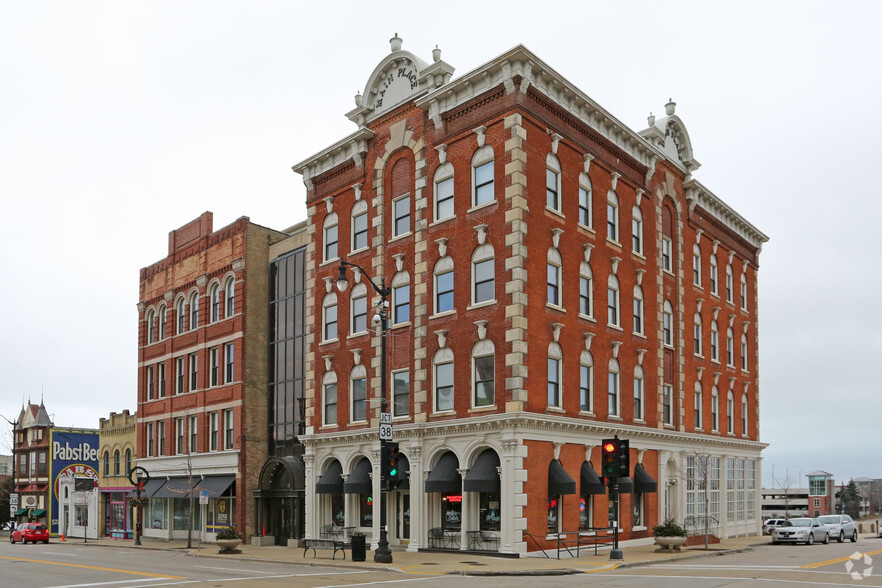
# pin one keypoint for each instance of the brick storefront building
(117, 450)
(202, 377)
(557, 278)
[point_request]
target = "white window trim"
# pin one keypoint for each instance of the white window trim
(482, 156)
(482, 349)
(396, 236)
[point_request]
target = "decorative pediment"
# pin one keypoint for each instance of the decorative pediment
(669, 135)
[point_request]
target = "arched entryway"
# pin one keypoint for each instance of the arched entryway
(280, 498)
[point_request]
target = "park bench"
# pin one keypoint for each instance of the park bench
(334, 544)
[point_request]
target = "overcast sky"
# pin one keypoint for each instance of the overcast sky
(121, 121)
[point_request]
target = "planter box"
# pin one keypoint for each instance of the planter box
(263, 541)
(229, 545)
(670, 543)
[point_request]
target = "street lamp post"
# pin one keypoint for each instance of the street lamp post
(383, 554)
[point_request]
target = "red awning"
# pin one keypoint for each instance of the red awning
(33, 488)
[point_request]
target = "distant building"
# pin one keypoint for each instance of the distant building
(32, 475)
(781, 503)
(118, 446)
(5, 465)
(821, 493)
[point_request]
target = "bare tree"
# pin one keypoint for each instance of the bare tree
(785, 484)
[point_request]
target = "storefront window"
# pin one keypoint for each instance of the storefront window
(553, 515)
(337, 509)
(182, 514)
(156, 516)
(586, 513)
(366, 510)
(489, 515)
(82, 515)
(451, 511)
(220, 514)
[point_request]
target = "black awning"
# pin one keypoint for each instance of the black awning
(483, 476)
(404, 473)
(590, 481)
(331, 482)
(444, 477)
(359, 481)
(643, 482)
(176, 488)
(215, 485)
(559, 481)
(626, 486)
(150, 488)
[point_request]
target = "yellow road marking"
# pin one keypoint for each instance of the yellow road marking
(821, 564)
(605, 568)
(85, 567)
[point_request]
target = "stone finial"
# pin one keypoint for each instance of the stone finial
(615, 348)
(670, 107)
(436, 54)
(588, 337)
(482, 329)
(556, 327)
(482, 233)
(481, 132)
(442, 246)
(555, 237)
(650, 120)
(442, 338)
(586, 159)
(395, 43)
(358, 98)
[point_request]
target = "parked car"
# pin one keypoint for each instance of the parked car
(771, 524)
(840, 527)
(32, 532)
(801, 530)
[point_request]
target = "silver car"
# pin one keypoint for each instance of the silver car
(840, 527)
(802, 530)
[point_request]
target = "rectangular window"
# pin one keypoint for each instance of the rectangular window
(331, 241)
(484, 381)
(444, 387)
(584, 296)
(41, 464)
(193, 371)
(180, 375)
(612, 222)
(212, 431)
(667, 251)
(697, 338)
(359, 399)
(179, 436)
(730, 351)
(584, 207)
(613, 394)
(744, 355)
(359, 231)
(330, 411)
(743, 295)
(330, 330)
(744, 418)
(713, 277)
(715, 413)
(554, 382)
(228, 429)
(359, 314)
(612, 306)
(150, 383)
(585, 397)
(696, 270)
(193, 429)
(668, 404)
(400, 393)
(444, 292)
(160, 437)
(149, 440)
(638, 398)
(401, 296)
(729, 284)
(229, 355)
(484, 285)
(668, 328)
(715, 345)
(730, 416)
(444, 199)
(214, 366)
(637, 235)
(553, 283)
(401, 207)
(698, 406)
(162, 380)
(484, 189)
(551, 196)
(638, 316)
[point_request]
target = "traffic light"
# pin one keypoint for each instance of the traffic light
(391, 473)
(608, 451)
(623, 458)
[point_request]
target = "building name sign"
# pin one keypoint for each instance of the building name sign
(398, 83)
(81, 452)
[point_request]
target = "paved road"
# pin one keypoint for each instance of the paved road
(72, 566)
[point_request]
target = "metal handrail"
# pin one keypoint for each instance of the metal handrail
(601, 535)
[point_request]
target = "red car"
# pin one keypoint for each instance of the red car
(30, 532)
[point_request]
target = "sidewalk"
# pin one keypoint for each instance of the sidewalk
(439, 563)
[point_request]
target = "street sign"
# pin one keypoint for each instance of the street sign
(385, 426)
(203, 497)
(13, 500)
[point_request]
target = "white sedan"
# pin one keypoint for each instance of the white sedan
(840, 527)
(801, 530)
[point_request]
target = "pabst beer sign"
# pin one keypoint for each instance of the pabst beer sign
(81, 452)
(75, 454)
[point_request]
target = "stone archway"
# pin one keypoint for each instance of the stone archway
(280, 500)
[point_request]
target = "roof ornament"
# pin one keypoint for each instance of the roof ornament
(395, 42)
(670, 107)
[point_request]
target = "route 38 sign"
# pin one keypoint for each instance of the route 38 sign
(385, 426)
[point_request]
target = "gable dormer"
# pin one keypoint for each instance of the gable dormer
(669, 135)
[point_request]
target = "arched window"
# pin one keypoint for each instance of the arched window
(106, 463)
(553, 277)
(402, 179)
(744, 429)
(585, 200)
(715, 409)
(359, 308)
(483, 277)
(442, 366)
(329, 317)
(586, 382)
(214, 300)
(614, 387)
(230, 295)
(638, 393)
(128, 461)
(483, 189)
(729, 285)
(194, 310)
(667, 239)
(359, 225)
(586, 288)
(668, 324)
(638, 310)
(714, 276)
(612, 216)
(697, 335)
(715, 342)
(329, 398)
(555, 375)
(484, 381)
(444, 203)
(331, 237)
(612, 301)
(743, 292)
(744, 352)
(401, 298)
(730, 347)
(358, 393)
(696, 265)
(552, 182)
(181, 314)
(116, 462)
(151, 329)
(637, 230)
(444, 285)
(730, 413)
(162, 322)
(699, 405)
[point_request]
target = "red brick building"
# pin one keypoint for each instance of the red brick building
(32, 463)
(557, 278)
(202, 377)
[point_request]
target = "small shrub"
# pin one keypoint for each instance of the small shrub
(669, 529)
(229, 533)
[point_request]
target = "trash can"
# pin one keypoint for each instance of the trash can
(358, 549)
